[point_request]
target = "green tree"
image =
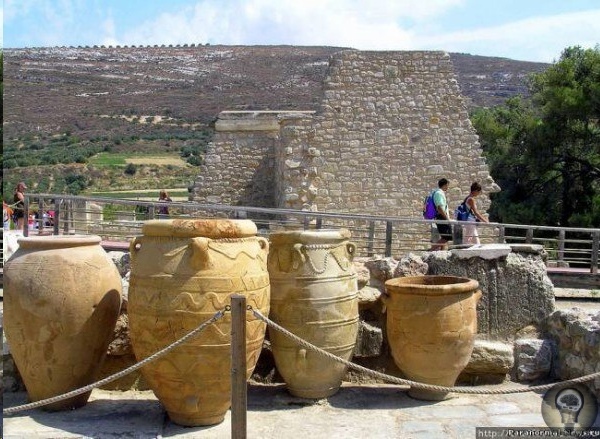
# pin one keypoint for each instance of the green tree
(545, 154)
(568, 96)
(505, 134)
(76, 183)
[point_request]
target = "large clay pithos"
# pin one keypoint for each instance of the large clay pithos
(62, 296)
(313, 295)
(182, 273)
(431, 327)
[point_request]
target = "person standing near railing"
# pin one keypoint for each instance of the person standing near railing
(163, 209)
(19, 205)
(470, 234)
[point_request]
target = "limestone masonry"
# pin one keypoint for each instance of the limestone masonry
(390, 124)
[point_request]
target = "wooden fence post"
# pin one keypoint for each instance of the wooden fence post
(238, 367)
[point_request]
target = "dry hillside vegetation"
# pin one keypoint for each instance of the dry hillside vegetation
(64, 106)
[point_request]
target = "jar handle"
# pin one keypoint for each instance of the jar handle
(298, 256)
(264, 244)
(385, 298)
(134, 246)
(351, 249)
(200, 256)
(477, 296)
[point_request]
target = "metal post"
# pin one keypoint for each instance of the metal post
(56, 216)
(40, 215)
(26, 217)
(595, 249)
(238, 367)
(68, 206)
(561, 245)
(529, 236)
(371, 239)
(388, 239)
(501, 233)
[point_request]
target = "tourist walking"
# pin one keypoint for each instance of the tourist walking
(470, 234)
(441, 208)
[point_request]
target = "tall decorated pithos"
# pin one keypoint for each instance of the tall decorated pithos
(431, 327)
(314, 295)
(182, 273)
(62, 297)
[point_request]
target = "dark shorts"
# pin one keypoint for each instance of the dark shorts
(445, 231)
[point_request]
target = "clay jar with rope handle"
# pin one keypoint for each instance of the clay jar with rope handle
(182, 273)
(431, 327)
(62, 296)
(313, 295)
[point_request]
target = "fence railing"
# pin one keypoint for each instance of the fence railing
(122, 219)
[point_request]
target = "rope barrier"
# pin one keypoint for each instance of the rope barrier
(415, 384)
(89, 387)
(304, 343)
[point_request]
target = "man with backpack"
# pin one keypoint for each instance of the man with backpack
(436, 205)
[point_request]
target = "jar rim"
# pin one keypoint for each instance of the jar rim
(430, 285)
(52, 241)
(309, 236)
(204, 227)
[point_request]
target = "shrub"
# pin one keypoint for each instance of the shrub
(130, 169)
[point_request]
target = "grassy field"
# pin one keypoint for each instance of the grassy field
(177, 194)
(110, 175)
(122, 159)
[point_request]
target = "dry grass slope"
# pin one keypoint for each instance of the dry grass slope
(161, 100)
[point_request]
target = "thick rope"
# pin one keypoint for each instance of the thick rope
(396, 380)
(89, 387)
(382, 376)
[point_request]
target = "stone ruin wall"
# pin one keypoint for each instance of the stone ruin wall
(390, 125)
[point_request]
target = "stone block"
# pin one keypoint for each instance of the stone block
(410, 265)
(533, 358)
(490, 358)
(369, 340)
(516, 289)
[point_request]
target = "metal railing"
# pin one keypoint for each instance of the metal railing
(122, 219)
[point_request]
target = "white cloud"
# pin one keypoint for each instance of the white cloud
(363, 24)
(534, 39)
(1, 26)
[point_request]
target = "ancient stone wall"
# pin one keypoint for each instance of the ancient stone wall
(238, 167)
(390, 125)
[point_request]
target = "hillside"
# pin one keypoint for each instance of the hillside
(65, 105)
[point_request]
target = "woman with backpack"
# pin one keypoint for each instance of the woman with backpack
(470, 234)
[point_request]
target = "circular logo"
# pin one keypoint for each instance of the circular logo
(569, 408)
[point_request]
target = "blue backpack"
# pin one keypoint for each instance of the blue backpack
(463, 211)
(429, 209)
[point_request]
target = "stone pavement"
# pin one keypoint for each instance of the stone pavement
(356, 411)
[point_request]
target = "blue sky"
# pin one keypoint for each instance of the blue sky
(530, 30)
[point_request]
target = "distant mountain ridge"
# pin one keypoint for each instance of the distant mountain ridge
(61, 89)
